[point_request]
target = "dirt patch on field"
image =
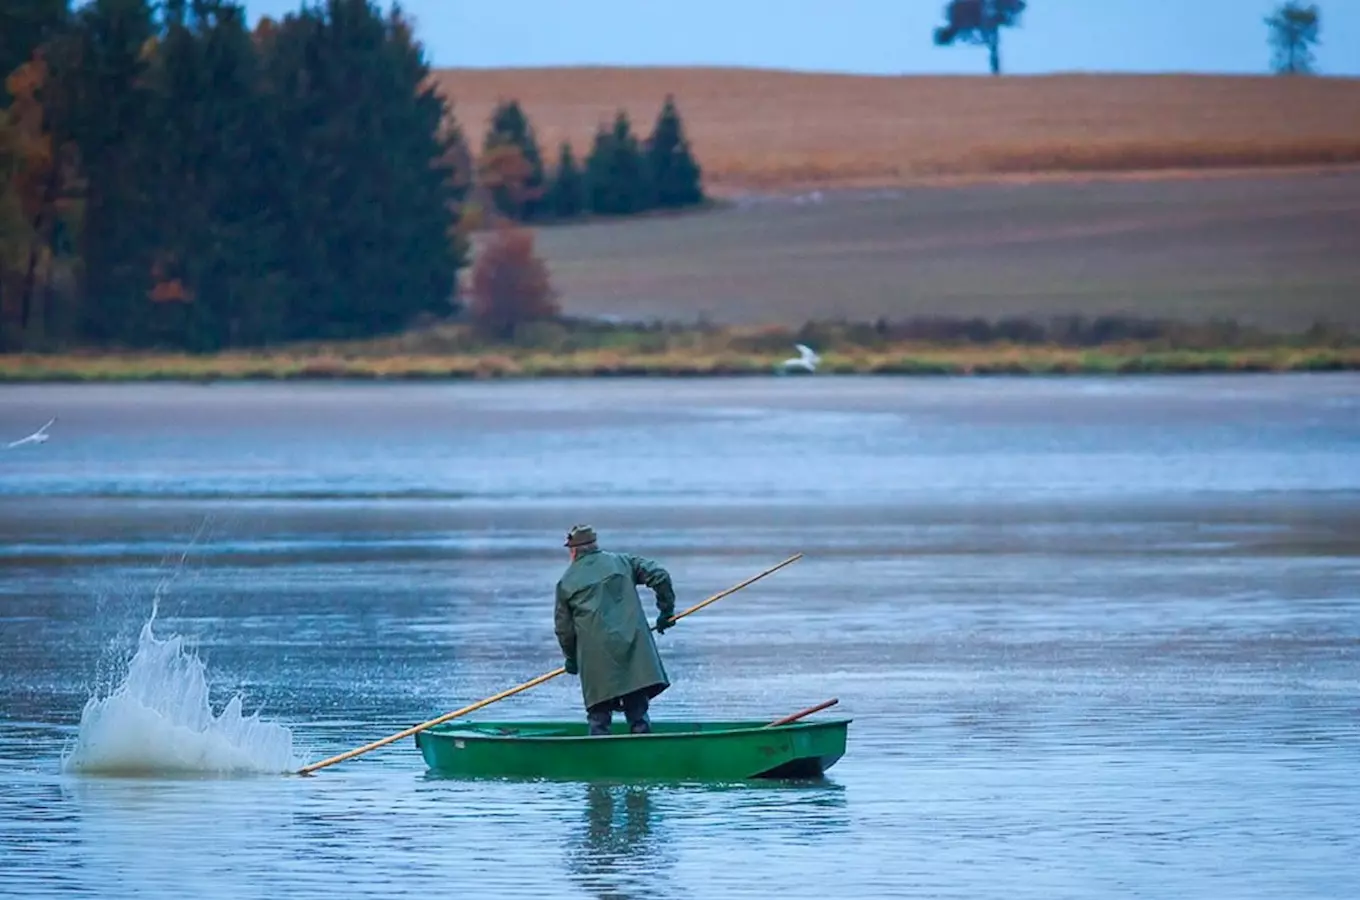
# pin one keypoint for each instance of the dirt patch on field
(1278, 252)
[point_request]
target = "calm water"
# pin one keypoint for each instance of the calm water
(1099, 638)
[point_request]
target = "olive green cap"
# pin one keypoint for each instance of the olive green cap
(580, 536)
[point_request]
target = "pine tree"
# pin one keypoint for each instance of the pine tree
(567, 196)
(217, 259)
(422, 203)
(372, 188)
(520, 192)
(457, 161)
(103, 68)
(675, 174)
(616, 171)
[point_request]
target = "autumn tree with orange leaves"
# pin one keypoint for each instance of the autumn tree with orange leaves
(35, 168)
(511, 164)
(510, 284)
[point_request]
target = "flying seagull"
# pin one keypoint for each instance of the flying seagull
(38, 437)
(806, 361)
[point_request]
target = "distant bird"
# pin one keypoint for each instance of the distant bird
(806, 361)
(38, 437)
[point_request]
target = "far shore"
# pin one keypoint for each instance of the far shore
(510, 363)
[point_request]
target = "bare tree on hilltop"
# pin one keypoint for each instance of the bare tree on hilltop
(1293, 29)
(979, 22)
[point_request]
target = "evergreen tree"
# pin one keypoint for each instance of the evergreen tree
(675, 174)
(616, 171)
(458, 163)
(103, 68)
(567, 196)
(371, 186)
(520, 190)
(216, 258)
(422, 204)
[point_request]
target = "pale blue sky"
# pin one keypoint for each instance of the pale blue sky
(873, 36)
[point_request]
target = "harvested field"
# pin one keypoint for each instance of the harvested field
(1277, 252)
(760, 130)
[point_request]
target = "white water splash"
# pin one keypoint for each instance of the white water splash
(158, 721)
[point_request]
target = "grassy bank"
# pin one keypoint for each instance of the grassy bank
(921, 347)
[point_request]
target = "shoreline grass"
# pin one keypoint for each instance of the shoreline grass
(558, 350)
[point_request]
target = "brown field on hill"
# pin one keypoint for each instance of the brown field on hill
(760, 130)
(1274, 251)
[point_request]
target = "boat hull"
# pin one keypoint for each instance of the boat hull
(674, 751)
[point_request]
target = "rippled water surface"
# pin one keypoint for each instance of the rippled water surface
(1099, 638)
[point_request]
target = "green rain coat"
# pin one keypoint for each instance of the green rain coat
(600, 623)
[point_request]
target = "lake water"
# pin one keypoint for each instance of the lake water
(1099, 637)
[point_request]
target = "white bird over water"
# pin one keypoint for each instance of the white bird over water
(38, 437)
(806, 361)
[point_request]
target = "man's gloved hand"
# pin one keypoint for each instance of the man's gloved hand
(570, 666)
(663, 622)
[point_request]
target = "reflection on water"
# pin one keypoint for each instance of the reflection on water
(618, 855)
(627, 841)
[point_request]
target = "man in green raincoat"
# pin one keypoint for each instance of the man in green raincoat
(602, 629)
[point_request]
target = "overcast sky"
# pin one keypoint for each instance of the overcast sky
(874, 36)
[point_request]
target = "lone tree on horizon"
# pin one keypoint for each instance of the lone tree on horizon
(980, 22)
(1293, 29)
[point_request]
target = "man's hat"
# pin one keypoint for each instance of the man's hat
(580, 536)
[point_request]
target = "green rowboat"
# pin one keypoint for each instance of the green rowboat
(674, 751)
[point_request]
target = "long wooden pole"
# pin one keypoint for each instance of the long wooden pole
(546, 676)
(805, 712)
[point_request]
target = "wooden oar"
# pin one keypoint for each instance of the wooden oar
(547, 676)
(806, 712)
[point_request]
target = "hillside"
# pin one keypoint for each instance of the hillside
(758, 130)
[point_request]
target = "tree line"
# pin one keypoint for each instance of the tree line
(621, 175)
(1293, 29)
(171, 177)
